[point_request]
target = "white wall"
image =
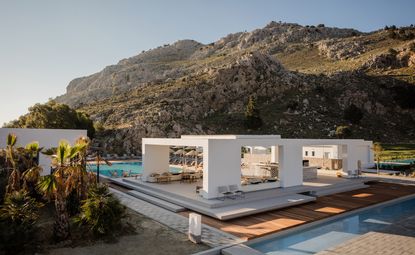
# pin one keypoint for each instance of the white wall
(319, 151)
(222, 166)
(290, 165)
(155, 159)
(47, 138)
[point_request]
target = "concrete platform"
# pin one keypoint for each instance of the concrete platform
(176, 195)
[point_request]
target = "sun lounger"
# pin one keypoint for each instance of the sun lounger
(126, 174)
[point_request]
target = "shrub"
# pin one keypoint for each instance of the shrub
(343, 131)
(252, 117)
(405, 97)
(54, 115)
(101, 211)
(392, 51)
(353, 114)
(18, 216)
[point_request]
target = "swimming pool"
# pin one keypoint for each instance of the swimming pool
(120, 167)
(325, 235)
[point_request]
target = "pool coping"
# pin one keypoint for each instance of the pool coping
(325, 220)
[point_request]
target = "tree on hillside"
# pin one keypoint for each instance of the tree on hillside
(343, 131)
(353, 114)
(252, 117)
(54, 115)
(377, 151)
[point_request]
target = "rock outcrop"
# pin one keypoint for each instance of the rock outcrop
(193, 88)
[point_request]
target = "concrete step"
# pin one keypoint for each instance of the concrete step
(339, 189)
(159, 193)
(213, 203)
(240, 249)
(238, 208)
(153, 200)
(254, 207)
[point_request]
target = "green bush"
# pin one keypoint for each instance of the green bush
(343, 131)
(353, 114)
(18, 216)
(101, 211)
(252, 117)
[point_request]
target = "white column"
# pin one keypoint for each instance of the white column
(155, 159)
(222, 166)
(350, 156)
(274, 154)
(290, 165)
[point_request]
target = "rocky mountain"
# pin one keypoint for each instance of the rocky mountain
(303, 77)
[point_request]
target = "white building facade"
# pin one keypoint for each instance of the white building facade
(47, 138)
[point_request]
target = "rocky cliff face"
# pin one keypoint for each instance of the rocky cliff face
(303, 78)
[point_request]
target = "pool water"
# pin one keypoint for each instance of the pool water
(120, 167)
(323, 236)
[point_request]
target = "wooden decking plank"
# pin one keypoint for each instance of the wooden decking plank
(261, 224)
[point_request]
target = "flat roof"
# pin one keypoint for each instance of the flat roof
(231, 136)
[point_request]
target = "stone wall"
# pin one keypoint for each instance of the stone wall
(333, 164)
(255, 158)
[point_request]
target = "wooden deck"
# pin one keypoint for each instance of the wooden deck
(261, 224)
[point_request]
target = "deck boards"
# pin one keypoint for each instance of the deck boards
(260, 224)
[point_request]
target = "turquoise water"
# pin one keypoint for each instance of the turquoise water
(120, 167)
(323, 236)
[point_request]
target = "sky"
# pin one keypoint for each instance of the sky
(45, 44)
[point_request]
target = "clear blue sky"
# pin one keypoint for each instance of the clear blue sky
(45, 44)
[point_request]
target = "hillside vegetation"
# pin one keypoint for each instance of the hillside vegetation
(303, 79)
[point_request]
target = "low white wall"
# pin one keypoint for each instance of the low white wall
(47, 138)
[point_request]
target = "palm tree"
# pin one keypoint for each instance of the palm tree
(13, 172)
(62, 182)
(101, 211)
(377, 150)
(18, 216)
(32, 174)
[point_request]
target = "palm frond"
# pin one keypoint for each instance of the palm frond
(47, 185)
(11, 140)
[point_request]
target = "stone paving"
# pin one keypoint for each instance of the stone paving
(374, 243)
(210, 236)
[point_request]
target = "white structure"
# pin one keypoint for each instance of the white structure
(322, 151)
(47, 138)
(222, 156)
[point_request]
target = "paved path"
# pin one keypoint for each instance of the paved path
(210, 236)
(374, 243)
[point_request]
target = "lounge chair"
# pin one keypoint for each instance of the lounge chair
(126, 174)
(236, 191)
(224, 191)
(152, 177)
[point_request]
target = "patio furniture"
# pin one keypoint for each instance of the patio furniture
(126, 174)
(113, 173)
(224, 191)
(152, 177)
(163, 179)
(188, 177)
(235, 190)
(198, 188)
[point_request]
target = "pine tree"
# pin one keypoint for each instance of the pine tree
(252, 117)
